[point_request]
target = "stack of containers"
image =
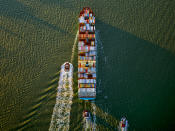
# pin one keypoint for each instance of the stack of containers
(86, 55)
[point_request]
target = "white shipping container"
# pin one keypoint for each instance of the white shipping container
(81, 19)
(87, 27)
(91, 28)
(84, 28)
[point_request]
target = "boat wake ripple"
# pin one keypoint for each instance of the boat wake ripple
(74, 46)
(94, 115)
(61, 112)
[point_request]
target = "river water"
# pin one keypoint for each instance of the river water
(135, 80)
(136, 60)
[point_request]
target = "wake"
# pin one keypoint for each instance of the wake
(74, 46)
(61, 112)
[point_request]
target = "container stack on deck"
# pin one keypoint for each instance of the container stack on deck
(87, 55)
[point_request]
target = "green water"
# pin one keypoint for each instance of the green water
(136, 65)
(137, 80)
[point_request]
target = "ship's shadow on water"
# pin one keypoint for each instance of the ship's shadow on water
(17, 10)
(137, 79)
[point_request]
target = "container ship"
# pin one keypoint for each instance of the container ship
(86, 55)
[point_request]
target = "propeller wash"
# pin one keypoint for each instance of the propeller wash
(61, 112)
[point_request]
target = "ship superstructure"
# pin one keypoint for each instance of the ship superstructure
(86, 55)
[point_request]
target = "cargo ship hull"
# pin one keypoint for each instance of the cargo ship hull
(86, 55)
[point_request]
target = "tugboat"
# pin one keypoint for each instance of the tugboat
(87, 120)
(86, 114)
(87, 55)
(123, 125)
(67, 67)
(66, 71)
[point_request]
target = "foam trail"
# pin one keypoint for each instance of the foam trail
(61, 112)
(86, 124)
(90, 123)
(94, 116)
(74, 46)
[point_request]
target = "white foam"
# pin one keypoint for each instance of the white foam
(61, 112)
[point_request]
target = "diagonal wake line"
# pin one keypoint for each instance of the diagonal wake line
(74, 46)
(61, 112)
